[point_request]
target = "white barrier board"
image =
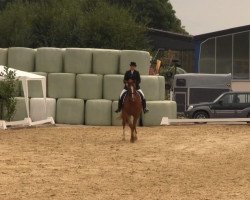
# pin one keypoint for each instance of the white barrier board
(25, 122)
(167, 121)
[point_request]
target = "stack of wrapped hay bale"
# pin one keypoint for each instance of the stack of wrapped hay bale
(83, 85)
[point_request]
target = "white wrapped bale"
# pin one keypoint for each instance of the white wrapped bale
(157, 110)
(112, 86)
(70, 111)
(49, 60)
(21, 112)
(162, 91)
(105, 61)
(61, 85)
(78, 61)
(37, 110)
(150, 87)
(21, 58)
(89, 86)
(142, 59)
(3, 56)
(98, 112)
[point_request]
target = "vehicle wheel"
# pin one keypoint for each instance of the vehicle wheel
(248, 116)
(200, 115)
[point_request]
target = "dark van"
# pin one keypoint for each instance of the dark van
(227, 105)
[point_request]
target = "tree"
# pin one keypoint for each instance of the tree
(108, 26)
(157, 14)
(7, 94)
(15, 25)
(66, 23)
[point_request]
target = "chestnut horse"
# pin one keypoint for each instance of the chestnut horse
(131, 108)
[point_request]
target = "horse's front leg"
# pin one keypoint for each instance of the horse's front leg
(132, 127)
(135, 131)
(123, 124)
(132, 139)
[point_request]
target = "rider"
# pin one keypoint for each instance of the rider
(134, 75)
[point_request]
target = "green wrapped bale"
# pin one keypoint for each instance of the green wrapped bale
(35, 87)
(89, 86)
(3, 56)
(61, 85)
(70, 111)
(150, 87)
(158, 110)
(116, 119)
(78, 61)
(21, 58)
(98, 112)
(37, 110)
(21, 112)
(142, 59)
(49, 60)
(173, 112)
(162, 91)
(105, 61)
(112, 86)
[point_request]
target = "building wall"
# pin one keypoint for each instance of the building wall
(241, 86)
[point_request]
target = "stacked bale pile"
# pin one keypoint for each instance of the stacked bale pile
(83, 85)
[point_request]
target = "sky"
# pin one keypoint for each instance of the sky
(204, 16)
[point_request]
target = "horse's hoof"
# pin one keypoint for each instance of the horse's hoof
(132, 140)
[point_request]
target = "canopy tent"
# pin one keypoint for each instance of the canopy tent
(25, 77)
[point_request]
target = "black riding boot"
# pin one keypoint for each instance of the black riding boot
(144, 107)
(119, 106)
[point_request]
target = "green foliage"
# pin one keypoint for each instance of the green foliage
(15, 25)
(66, 23)
(157, 14)
(7, 94)
(108, 26)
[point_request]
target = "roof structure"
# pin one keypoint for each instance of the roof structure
(169, 40)
(222, 32)
(175, 41)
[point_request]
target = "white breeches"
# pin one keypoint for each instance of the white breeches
(123, 91)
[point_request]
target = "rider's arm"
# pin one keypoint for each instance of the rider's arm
(126, 77)
(139, 78)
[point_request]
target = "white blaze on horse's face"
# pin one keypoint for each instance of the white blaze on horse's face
(132, 90)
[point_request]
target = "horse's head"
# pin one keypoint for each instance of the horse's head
(131, 87)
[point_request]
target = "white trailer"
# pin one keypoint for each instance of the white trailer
(192, 88)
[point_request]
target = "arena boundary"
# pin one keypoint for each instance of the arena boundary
(25, 122)
(167, 121)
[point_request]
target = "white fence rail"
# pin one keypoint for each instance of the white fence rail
(25, 122)
(167, 121)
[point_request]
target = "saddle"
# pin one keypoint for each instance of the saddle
(125, 94)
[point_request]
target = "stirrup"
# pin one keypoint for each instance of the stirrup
(146, 110)
(118, 110)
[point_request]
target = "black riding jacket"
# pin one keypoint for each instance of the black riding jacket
(134, 76)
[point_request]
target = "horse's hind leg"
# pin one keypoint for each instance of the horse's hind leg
(132, 128)
(132, 139)
(135, 134)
